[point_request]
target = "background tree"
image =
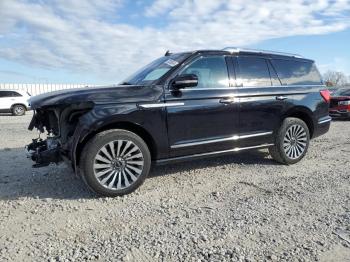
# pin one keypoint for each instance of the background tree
(335, 78)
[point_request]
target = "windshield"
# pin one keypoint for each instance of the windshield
(155, 70)
(342, 92)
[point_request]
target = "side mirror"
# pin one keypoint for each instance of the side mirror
(183, 81)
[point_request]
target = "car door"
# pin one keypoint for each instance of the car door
(6, 99)
(262, 98)
(204, 118)
(19, 98)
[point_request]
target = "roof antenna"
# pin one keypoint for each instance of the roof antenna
(167, 53)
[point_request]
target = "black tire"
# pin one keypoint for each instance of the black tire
(18, 110)
(290, 151)
(121, 181)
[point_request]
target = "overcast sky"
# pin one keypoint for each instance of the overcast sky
(103, 41)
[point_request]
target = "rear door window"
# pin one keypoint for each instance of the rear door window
(295, 72)
(274, 77)
(6, 94)
(253, 71)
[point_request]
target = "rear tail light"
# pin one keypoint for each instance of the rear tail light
(326, 95)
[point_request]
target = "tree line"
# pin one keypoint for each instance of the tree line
(336, 79)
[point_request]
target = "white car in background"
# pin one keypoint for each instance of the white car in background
(14, 101)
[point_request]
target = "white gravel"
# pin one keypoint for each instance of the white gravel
(243, 207)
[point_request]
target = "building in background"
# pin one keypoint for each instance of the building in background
(37, 89)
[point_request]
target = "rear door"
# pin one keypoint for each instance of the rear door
(263, 100)
(204, 118)
(19, 98)
(6, 99)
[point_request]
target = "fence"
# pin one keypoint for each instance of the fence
(36, 89)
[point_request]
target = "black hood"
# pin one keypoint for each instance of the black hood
(98, 95)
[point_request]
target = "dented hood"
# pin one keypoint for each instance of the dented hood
(97, 95)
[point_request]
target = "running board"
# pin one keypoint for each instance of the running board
(203, 155)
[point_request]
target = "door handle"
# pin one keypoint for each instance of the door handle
(227, 101)
(281, 97)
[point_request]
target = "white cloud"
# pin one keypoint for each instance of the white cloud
(83, 35)
(160, 7)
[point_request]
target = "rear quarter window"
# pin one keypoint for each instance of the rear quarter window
(295, 72)
(16, 94)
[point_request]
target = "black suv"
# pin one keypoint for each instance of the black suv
(182, 106)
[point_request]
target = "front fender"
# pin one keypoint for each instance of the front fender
(101, 117)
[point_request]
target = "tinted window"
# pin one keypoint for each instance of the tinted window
(253, 71)
(274, 78)
(16, 94)
(211, 71)
(294, 72)
(6, 93)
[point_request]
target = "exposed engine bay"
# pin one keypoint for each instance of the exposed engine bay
(56, 128)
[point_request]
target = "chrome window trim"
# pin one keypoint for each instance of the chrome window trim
(245, 87)
(218, 140)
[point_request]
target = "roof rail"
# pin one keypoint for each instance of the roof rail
(258, 51)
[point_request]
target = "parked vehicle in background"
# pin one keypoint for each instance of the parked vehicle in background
(340, 104)
(183, 106)
(14, 101)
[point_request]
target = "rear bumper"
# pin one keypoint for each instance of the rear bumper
(322, 126)
(339, 113)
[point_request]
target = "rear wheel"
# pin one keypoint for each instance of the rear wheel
(115, 162)
(291, 141)
(18, 110)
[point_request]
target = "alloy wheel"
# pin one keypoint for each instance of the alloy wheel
(295, 141)
(19, 110)
(118, 164)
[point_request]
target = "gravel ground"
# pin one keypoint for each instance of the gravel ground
(243, 207)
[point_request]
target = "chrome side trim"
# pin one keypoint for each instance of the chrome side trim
(231, 138)
(324, 120)
(236, 149)
(158, 105)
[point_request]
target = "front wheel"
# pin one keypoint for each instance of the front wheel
(18, 110)
(291, 141)
(115, 162)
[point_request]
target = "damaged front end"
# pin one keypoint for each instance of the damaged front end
(44, 152)
(59, 123)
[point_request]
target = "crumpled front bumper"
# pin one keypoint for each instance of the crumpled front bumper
(44, 152)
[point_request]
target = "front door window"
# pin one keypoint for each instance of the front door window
(211, 71)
